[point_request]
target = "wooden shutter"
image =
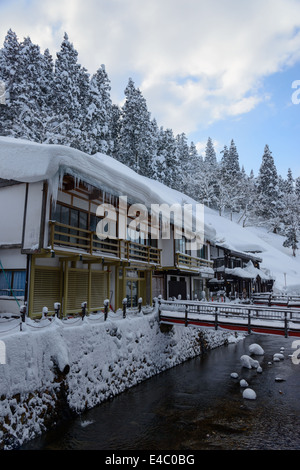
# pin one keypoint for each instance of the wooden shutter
(98, 289)
(77, 289)
(46, 290)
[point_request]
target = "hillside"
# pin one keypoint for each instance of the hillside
(278, 260)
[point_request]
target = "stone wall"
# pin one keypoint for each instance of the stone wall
(56, 368)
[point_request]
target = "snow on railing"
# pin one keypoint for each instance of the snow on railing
(231, 316)
(47, 320)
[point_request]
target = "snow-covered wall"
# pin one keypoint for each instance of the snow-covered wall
(52, 368)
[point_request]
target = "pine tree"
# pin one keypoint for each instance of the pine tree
(267, 200)
(11, 75)
(115, 132)
(209, 185)
(290, 213)
(136, 132)
(182, 156)
(68, 94)
(168, 158)
(96, 126)
(292, 238)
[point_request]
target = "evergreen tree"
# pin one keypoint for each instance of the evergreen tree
(292, 238)
(168, 158)
(290, 213)
(11, 75)
(267, 193)
(97, 122)
(136, 132)
(159, 161)
(68, 99)
(297, 187)
(209, 185)
(115, 131)
(182, 156)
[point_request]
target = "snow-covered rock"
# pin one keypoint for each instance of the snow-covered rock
(234, 375)
(243, 383)
(278, 356)
(248, 362)
(249, 394)
(256, 349)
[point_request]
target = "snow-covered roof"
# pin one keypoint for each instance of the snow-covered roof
(29, 162)
(248, 272)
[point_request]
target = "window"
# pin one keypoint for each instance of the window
(180, 245)
(201, 253)
(12, 283)
(74, 218)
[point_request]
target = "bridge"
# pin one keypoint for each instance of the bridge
(237, 317)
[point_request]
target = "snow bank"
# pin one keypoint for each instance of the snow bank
(77, 364)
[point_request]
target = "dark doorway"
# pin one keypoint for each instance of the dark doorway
(177, 288)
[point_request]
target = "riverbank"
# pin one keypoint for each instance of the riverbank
(54, 369)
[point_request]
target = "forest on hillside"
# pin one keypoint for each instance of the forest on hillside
(56, 101)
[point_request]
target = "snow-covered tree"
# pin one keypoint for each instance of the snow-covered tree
(290, 213)
(69, 98)
(97, 119)
(182, 156)
(209, 179)
(136, 132)
(11, 75)
(267, 192)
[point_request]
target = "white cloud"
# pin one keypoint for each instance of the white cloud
(196, 61)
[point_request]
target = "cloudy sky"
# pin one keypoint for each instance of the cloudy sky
(210, 68)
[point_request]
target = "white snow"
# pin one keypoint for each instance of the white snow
(243, 383)
(256, 349)
(248, 362)
(279, 356)
(277, 261)
(249, 394)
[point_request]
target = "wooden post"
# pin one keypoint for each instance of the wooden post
(83, 309)
(106, 302)
(159, 308)
(186, 315)
(286, 323)
(216, 318)
(124, 307)
(249, 321)
(66, 283)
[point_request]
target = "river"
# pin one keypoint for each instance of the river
(197, 406)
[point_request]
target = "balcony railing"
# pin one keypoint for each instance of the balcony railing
(87, 240)
(191, 262)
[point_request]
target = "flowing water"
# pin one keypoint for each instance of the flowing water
(197, 406)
